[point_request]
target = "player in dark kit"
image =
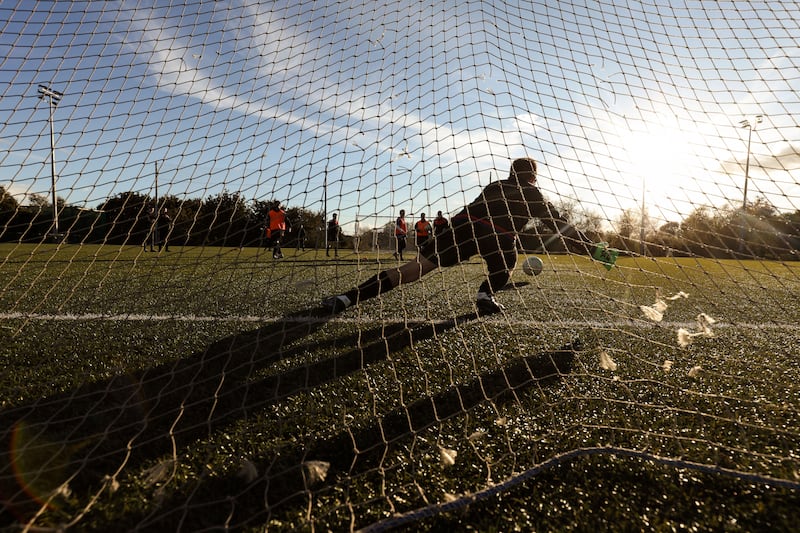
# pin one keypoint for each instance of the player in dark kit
(489, 227)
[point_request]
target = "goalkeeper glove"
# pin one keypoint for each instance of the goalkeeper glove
(604, 254)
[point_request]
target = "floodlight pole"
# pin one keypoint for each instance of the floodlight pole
(750, 127)
(156, 238)
(53, 97)
(641, 228)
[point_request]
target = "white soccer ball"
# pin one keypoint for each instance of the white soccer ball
(533, 266)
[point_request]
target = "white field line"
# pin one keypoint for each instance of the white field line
(138, 317)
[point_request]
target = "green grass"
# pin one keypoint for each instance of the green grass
(146, 381)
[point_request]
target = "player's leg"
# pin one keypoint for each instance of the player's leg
(500, 255)
(276, 250)
(380, 283)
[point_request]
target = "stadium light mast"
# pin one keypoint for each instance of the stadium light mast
(54, 97)
(750, 127)
(156, 236)
(642, 249)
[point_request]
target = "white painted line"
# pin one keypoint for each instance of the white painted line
(139, 317)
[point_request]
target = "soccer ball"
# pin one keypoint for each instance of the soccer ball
(533, 266)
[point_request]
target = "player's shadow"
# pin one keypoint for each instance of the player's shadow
(132, 418)
(515, 285)
(129, 419)
(288, 479)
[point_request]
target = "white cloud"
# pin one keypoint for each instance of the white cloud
(18, 192)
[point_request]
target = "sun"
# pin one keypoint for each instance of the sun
(662, 164)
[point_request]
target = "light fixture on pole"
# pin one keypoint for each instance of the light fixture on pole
(54, 97)
(751, 126)
(325, 207)
(642, 249)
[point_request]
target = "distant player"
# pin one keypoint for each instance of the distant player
(440, 223)
(422, 230)
(400, 234)
(164, 228)
(301, 237)
(333, 236)
(278, 224)
(150, 236)
(489, 227)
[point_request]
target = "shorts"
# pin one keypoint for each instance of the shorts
(464, 239)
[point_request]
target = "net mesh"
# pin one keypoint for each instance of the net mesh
(166, 368)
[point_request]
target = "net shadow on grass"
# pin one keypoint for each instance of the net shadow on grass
(112, 425)
(130, 418)
(117, 424)
(286, 480)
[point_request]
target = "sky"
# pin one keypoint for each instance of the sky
(369, 106)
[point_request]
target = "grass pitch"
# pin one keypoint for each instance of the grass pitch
(204, 389)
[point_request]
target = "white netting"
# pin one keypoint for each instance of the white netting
(163, 372)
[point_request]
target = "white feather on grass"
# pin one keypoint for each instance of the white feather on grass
(704, 323)
(679, 294)
(651, 313)
(606, 362)
(315, 472)
(447, 457)
(684, 337)
(655, 312)
(660, 306)
(111, 483)
(477, 435)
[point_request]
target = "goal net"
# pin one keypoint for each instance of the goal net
(167, 362)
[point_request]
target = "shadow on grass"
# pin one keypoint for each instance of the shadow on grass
(117, 424)
(90, 432)
(288, 478)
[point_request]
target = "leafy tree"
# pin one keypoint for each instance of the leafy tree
(223, 219)
(629, 223)
(586, 221)
(184, 215)
(8, 203)
(712, 233)
(9, 207)
(125, 218)
(311, 221)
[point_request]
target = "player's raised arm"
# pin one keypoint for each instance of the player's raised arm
(577, 241)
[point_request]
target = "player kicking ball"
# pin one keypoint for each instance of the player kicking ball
(488, 226)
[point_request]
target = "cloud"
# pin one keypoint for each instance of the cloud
(787, 158)
(283, 56)
(18, 192)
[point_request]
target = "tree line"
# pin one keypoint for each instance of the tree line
(228, 219)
